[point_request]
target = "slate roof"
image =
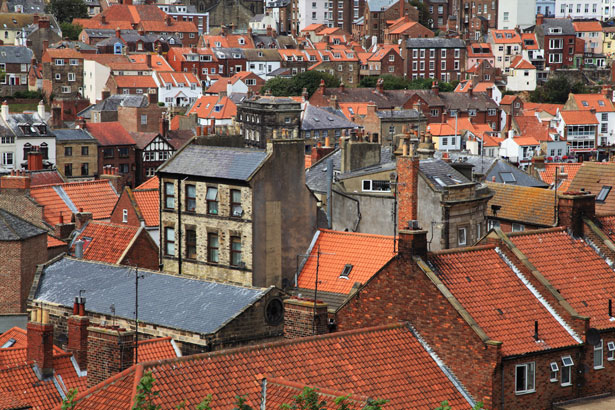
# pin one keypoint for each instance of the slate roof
(390, 362)
(164, 300)
(517, 203)
(570, 264)
(106, 242)
(324, 118)
(591, 177)
(13, 228)
(45, 177)
(72, 135)
(113, 102)
(521, 178)
(12, 125)
(441, 174)
(435, 42)
(365, 252)
(563, 23)
(380, 5)
(496, 297)
(399, 114)
(15, 55)
(215, 162)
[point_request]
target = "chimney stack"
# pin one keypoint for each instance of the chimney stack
(81, 218)
(4, 111)
(110, 350)
(380, 86)
(78, 333)
(40, 341)
(41, 110)
(301, 319)
(540, 19)
(572, 207)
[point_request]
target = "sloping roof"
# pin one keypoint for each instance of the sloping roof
(215, 162)
(579, 117)
(564, 24)
(15, 55)
(591, 177)
(529, 107)
(13, 228)
(589, 25)
(135, 81)
(520, 177)
(365, 253)
(388, 362)
(164, 300)
(148, 201)
(97, 197)
(565, 170)
(52, 242)
(598, 102)
(143, 139)
(441, 174)
(517, 203)
(152, 183)
(521, 64)
(72, 135)
(495, 296)
(106, 242)
(157, 349)
(578, 273)
(110, 133)
(324, 118)
(435, 42)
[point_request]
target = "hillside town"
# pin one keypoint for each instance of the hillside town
(316, 205)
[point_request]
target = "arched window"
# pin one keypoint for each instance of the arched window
(27, 147)
(45, 150)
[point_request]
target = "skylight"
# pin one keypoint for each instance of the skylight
(507, 177)
(8, 343)
(601, 103)
(604, 192)
(346, 271)
(585, 104)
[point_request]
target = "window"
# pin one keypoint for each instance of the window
(492, 112)
(492, 224)
(376, 186)
(71, 76)
(604, 192)
(74, 61)
(169, 195)
(124, 169)
(84, 151)
(554, 372)
(524, 378)
(108, 153)
(461, 237)
(604, 127)
(212, 200)
(68, 151)
(65, 89)
(236, 251)
(125, 215)
(236, 209)
(190, 198)
(599, 355)
(123, 152)
(190, 244)
(7, 158)
(444, 141)
(435, 112)
(143, 119)
(518, 227)
(472, 113)
(68, 170)
(567, 364)
(611, 351)
(212, 247)
(59, 61)
(169, 241)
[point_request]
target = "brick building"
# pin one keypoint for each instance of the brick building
(439, 58)
(234, 214)
(468, 12)
(265, 118)
(405, 28)
(133, 85)
(140, 207)
(62, 73)
(377, 14)
(558, 39)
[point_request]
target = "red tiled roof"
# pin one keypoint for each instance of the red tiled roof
(520, 63)
(158, 63)
(365, 252)
(524, 204)
(135, 81)
(580, 275)
(442, 129)
(152, 183)
(17, 333)
(97, 197)
(53, 242)
(508, 99)
(204, 107)
(162, 26)
(579, 117)
(485, 285)
(106, 242)
(157, 349)
(569, 171)
(531, 38)
(281, 392)
(148, 201)
(502, 34)
(385, 362)
(583, 26)
(591, 177)
(598, 102)
(110, 133)
(548, 108)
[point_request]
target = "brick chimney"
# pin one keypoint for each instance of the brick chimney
(110, 351)
(18, 182)
(43, 22)
(300, 320)
(112, 175)
(163, 126)
(78, 324)
(379, 86)
(40, 341)
(63, 230)
(35, 159)
(407, 187)
(572, 207)
(540, 18)
(81, 218)
(319, 152)
(269, 31)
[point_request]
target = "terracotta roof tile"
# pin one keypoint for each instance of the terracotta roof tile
(106, 242)
(505, 36)
(598, 102)
(38, 178)
(365, 252)
(521, 64)
(591, 177)
(152, 183)
(386, 362)
(498, 300)
(135, 81)
(519, 203)
(148, 202)
(280, 392)
(549, 108)
(157, 349)
(110, 133)
(584, 26)
(53, 242)
(578, 117)
(565, 170)
(508, 99)
(580, 275)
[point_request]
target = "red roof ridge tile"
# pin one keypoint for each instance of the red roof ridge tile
(537, 231)
(370, 235)
(156, 340)
(464, 249)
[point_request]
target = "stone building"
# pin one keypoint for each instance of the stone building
(236, 215)
(15, 63)
(76, 154)
(62, 73)
(266, 118)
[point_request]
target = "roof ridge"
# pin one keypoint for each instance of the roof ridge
(362, 234)
(475, 248)
(537, 231)
(104, 223)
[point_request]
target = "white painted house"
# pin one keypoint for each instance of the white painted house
(178, 89)
(521, 75)
(516, 13)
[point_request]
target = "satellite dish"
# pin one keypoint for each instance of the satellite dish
(593, 336)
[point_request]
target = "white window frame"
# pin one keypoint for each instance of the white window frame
(125, 215)
(599, 355)
(462, 236)
(567, 364)
(530, 385)
(610, 355)
(554, 377)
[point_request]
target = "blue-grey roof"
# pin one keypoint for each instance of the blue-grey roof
(379, 5)
(520, 177)
(215, 162)
(15, 55)
(435, 42)
(72, 135)
(164, 300)
(13, 228)
(324, 118)
(441, 174)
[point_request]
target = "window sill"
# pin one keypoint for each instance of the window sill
(553, 380)
(566, 385)
(521, 393)
(598, 368)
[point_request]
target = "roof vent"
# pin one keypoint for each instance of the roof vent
(8, 343)
(346, 271)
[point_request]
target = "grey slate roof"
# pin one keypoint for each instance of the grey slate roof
(25, 125)
(165, 300)
(215, 162)
(441, 174)
(435, 42)
(399, 114)
(378, 5)
(324, 118)
(564, 24)
(72, 135)
(13, 228)
(111, 103)
(15, 55)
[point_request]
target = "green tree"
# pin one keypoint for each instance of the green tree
(308, 399)
(205, 404)
(554, 91)
(67, 10)
(71, 31)
(375, 404)
(445, 406)
(310, 80)
(241, 403)
(144, 399)
(424, 15)
(69, 402)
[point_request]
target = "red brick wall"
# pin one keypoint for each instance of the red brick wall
(299, 318)
(125, 203)
(33, 253)
(407, 190)
(109, 352)
(143, 253)
(78, 339)
(40, 344)
(401, 292)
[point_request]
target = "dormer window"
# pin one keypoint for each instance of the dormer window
(218, 44)
(242, 41)
(555, 30)
(585, 104)
(217, 108)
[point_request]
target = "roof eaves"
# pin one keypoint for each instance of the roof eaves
(130, 244)
(243, 309)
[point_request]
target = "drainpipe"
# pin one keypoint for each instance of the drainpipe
(160, 240)
(179, 224)
(329, 183)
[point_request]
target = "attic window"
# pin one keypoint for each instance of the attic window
(604, 192)
(601, 103)
(11, 341)
(507, 177)
(346, 271)
(585, 104)
(555, 30)
(217, 108)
